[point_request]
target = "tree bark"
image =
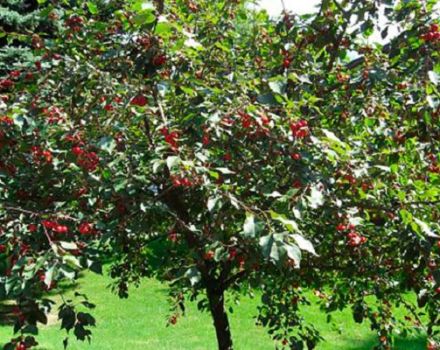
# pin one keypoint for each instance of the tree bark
(221, 322)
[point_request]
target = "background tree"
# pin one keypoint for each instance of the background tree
(211, 147)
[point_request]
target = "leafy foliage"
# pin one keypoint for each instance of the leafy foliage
(217, 149)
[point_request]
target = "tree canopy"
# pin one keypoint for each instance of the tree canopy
(217, 149)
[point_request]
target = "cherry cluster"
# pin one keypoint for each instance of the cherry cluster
(40, 154)
(139, 100)
(433, 35)
(300, 129)
(354, 239)
(179, 181)
(87, 160)
(75, 23)
(171, 138)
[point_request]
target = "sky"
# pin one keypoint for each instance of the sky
(274, 7)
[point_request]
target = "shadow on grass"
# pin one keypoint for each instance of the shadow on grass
(8, 308)
(401, 343)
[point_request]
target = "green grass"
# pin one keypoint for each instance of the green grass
(139, 323)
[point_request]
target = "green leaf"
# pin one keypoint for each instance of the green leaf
(68, 245)
(92, 7)
(425, 228)
(278, 86)
(194, 276)
(146, 17)
(48, 276)
(107, 144)
(434, 77)
(249, 226)
(316, 198)
(212, 202)
(172, 162)
(291, 225)
(163, 29)
(294, 253)
(304, 244)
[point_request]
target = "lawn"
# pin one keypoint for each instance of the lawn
(139, 323)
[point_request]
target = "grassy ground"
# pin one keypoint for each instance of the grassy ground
(139, 323)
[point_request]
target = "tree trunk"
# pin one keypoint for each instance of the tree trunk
(221, 322)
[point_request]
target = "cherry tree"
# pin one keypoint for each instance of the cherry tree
(226, 153)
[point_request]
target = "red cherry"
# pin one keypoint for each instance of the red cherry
(205, 140)
(85, 228)
(159, 60)
(76, 150)
(47, 155)
(21, 346)
(2, 248)
(286, 63)
(14, 74)
(297, 184)
(61, 229)
(432, 264)
(186, 182)
(265, 120)
(209, 255)
(32, 227)
(48, 224)
(341, 227)
(434, 27)
(139, 100)
(296, 156)
(232, 253)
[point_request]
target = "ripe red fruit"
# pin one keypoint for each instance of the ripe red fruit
(209, 255)
(265, 120)
(232, 253)
(296, 156)
(108, 107)
(297, 184)
(32, 227)
(85, 228)
(14, 74)
(300, 129)
(47, 155)
(76, 150)
(172, 236)
(61, 229)
(2, 248)
(21, 346)
(6, 83)
(205, 140)
(139, 100)
(173, 319)
(432, 346)
(286, 63)
(159, 60)
(49, 224)
(341, 227)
